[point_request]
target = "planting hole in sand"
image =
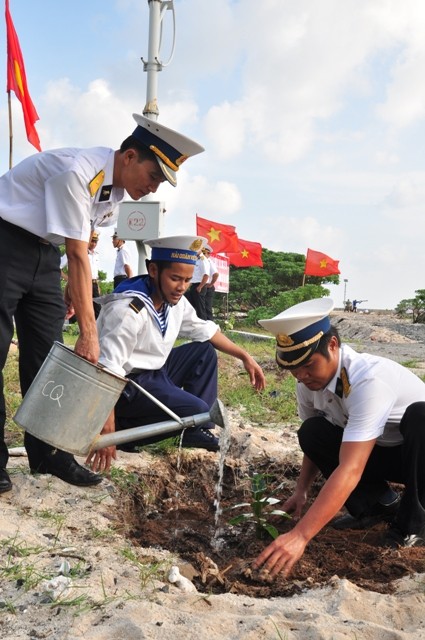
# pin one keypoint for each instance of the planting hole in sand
(175, 510)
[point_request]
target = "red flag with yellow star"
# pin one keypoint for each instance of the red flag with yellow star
(221, 237)
(17, 81)
(319, 264)
(249, 254)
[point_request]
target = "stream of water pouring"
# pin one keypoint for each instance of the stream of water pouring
(224, 441)
(224, 447)
(177, 493)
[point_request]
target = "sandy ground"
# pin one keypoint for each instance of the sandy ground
(67, 572)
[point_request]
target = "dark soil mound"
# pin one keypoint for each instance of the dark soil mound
(175, 510)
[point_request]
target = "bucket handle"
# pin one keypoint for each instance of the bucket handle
(156, 401)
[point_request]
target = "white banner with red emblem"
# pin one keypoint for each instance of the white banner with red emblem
(222, 266)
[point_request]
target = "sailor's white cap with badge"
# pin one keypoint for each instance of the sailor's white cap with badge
(170, 147)
(298, 331)
(176, 248)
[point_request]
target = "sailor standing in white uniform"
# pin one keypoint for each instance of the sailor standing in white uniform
(57, 197)
(210, 286)
(122, 269)
(196, 292)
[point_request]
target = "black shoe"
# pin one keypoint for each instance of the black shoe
(378, 513)
(395, 538)
(200, 439)
(72, 472)
(5, 482)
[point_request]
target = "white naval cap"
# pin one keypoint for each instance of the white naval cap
(298, 330)
(170, 147)
(176, 248)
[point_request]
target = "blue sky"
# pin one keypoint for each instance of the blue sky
(312, 115)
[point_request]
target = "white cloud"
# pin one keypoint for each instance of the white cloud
(404, 24)
(95, 116)
(405, 103)
(225, 127)
(179, 114)
(195, 194)
(405, 204)
(386, 158)
(295, 234)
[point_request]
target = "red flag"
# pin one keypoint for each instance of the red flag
(249, 255)
(319, 264)
(17, 81)
(221, 237)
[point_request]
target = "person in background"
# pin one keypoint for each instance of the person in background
(62, 264)
(93, 256)
(138, 327)
(196, 292)
(348, 306)
(58, 197)
(94, 266)
(210, 286)
(122, 269)
(356, 303)
(363, 426)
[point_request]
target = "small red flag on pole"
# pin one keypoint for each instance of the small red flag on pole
(222, 237)
(319, 264)
(249, 255)
(17, 81)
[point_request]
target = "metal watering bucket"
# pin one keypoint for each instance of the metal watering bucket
(70, 399)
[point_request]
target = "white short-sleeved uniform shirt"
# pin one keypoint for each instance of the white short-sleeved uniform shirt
(130, 340)
(201, 269)
(212, 269)
(123, 257)
(94, 264)
(49, 193)
(93, 260)
(373, 403)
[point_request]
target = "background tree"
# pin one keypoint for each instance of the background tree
(105, 286)
(413, 306)
(285, 300)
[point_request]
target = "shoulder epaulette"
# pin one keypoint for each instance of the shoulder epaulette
(346, 387)
(137, 305)
(94, 185)
(343, 386)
